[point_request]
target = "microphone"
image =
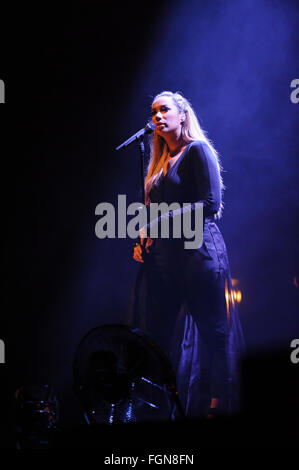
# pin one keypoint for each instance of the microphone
(148, 129)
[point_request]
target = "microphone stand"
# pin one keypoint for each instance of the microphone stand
(141, 154)
(138, 136)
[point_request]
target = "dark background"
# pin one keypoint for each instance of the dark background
(80, 80)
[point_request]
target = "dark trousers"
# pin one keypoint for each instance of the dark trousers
(188, 279)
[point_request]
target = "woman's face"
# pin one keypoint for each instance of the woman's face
(166, 116)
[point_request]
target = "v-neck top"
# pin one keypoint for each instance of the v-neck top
(194, 177)
(176, 159)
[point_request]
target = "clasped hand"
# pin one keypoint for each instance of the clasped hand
(144, 244)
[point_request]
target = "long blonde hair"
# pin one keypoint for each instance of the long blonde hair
(191, 131)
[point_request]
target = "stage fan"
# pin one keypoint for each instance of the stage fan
(121, 375)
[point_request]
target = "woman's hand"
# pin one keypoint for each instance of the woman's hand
(145, 243)
(137, 254)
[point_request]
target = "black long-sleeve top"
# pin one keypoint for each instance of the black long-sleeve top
(194, 178)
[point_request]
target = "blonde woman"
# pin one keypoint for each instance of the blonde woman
(179, 297)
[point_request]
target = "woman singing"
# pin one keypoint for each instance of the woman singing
(180, 296)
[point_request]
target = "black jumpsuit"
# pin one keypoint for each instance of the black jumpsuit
(182, 297)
